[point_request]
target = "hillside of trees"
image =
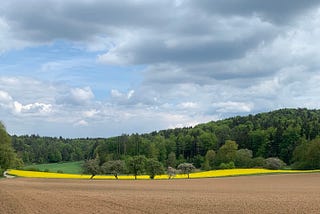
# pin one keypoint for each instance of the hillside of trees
(291, 135)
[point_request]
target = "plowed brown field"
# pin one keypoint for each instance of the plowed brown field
(298, 193)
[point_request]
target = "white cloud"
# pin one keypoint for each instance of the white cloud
(82, 94)
(188, 105)
(122, 97)
(5, 97)
(130, 94)
(90, 113)
(115, 93)
(7, 102)
(76, 96)
(81, 123)
(233, 107)
(201, 60)
(40, 108)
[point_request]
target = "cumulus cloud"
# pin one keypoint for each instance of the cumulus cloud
(217, 43)
(41, 108)
(8, 103)
(199, 60)
(274, 11)
(77, 96)
(81, 94)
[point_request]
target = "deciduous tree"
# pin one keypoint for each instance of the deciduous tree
(8, 157)
(186, 168)
(172, 160)
(171, 172)
(136, 165)
(227, 152)
(114, 167)
(92, 167)
(153, 168)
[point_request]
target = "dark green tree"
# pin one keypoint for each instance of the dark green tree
(136, 165)
(223, 133)
(229, 165)
(197, 161)
(8, 157)
(153, 168)
(209, 160)
(54, 154)
(258, 140)
(243, 158)
(172, 161)
(290, 139)
(307, 155)
(208, 141)
(258, 162)
(227, 152)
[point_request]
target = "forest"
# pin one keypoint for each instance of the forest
(289, 135)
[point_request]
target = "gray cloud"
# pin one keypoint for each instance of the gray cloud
(201, 60)
(44, 21)
(279, 12)
(157, 31)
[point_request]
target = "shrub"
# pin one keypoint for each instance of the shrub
(274, 163)
(59, 171)
(258, 162)
(243, 158)
(229, 165)
(46, 170)
(32, 168)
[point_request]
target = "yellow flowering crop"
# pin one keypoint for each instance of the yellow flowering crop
(205, 174)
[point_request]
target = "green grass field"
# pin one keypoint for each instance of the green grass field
(68, 167)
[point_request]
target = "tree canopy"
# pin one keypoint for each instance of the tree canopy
(8, 157)
(242, 140)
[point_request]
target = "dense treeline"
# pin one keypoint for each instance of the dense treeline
(289, 134)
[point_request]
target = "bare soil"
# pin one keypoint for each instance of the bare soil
(298, 193)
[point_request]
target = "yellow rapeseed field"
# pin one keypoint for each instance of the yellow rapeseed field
(204, 174)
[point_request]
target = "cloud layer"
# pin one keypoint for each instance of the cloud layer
(197, 61)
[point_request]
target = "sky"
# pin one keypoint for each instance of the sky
(101, 68)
